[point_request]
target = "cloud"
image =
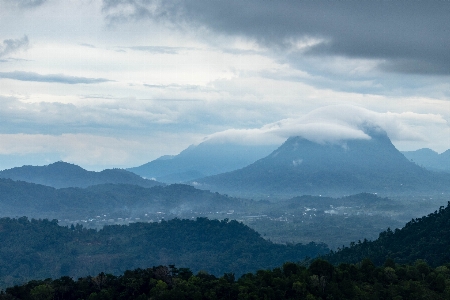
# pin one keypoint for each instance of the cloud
(411, 36)
(87, 45)
(157, 49)
(80, 148)
(335, 124)
(57, 78)
(86, 116)
(257, 136)
(26, 3)
(10, 46)
(92, 151)
(30, 3)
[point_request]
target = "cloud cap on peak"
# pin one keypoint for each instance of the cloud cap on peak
(332, 124)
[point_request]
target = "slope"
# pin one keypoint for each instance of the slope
(202, 160)
(32, 249)
(426, 238)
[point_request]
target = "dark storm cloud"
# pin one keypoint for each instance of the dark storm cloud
(57, 78)
(10, 46)
(412, 36)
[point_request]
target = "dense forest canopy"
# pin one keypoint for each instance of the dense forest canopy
(33, 249)
(426, 238)
(321, 280)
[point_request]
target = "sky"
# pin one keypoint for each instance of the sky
(118, 83)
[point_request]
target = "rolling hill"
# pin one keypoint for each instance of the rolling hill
(61, 174)
(32, 249)
(21, 198)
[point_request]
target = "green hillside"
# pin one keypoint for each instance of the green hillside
(33, 249)
(426, 238)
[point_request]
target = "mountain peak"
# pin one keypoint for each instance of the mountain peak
(201, 160)
(301, 166)
(61, 166)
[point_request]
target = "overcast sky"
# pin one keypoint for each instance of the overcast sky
(118, 83)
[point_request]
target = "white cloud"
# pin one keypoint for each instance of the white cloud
(333, 124)
(93, 152)
(171, 84)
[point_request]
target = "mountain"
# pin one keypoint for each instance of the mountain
(61, 174)
(430, 159)
(19, 198)
(426, 238)
(300, 166)
(202, 160)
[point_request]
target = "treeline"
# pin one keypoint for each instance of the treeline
(32, 249)
(321, 280)
(426, 238)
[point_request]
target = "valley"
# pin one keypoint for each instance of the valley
(235, 150)
(278, 208)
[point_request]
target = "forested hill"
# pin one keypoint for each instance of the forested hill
(20, 198)
(33, 249)
(61, 174)
(425, 238)
(320, 280)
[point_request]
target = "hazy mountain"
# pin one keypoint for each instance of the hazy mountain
(300, 166)
(202, 160)
(61, 174)
(19, 198)
(430, 159)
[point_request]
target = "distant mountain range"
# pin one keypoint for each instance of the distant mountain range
(297, 167)
(202, 160)
(61, 174)
(300, 166)
(430, 159)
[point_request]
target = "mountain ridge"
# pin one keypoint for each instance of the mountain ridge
(20, 198)
(430, 159)
(202, 160)
(61, 175)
